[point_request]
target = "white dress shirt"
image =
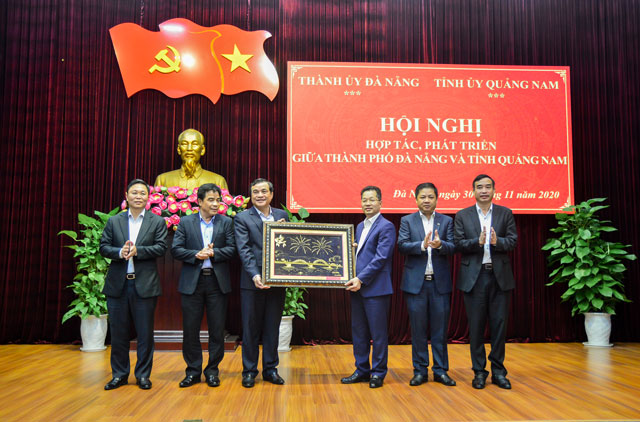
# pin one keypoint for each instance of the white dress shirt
(485, 224)
(207, 233)
(134, 229)
(365, 231)
(427, 224)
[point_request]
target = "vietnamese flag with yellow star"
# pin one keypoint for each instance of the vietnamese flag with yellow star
(184, 58)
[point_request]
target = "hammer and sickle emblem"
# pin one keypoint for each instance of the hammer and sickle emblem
(173, 65)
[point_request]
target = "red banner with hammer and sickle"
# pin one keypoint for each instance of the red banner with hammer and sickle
(185, 58)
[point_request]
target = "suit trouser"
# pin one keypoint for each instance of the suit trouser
(369, 321)
(206, 295)
(429, 310)
(487, 301)
(122, 310)
(261, 316)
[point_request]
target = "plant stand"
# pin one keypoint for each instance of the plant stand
(598, 328)
(286, 330)
(93, 331)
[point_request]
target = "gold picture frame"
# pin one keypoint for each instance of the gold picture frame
(308, 254)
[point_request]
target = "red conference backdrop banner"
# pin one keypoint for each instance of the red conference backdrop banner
(397, 125)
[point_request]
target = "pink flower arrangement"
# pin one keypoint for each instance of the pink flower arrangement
(227, 199)
(155, 198)
(184, 206)
(174, 202)
(174, 219)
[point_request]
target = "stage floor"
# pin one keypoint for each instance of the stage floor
(551, 382)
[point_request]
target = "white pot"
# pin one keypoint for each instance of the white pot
(93, 331)
(598, 328)
(286, 329)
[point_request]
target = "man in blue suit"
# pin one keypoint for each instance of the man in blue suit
(261, 306)
(426, 238)
(371, 291)
(205, 244)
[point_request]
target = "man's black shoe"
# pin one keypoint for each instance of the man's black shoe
(501, 381)
(248, 381)
(115, 383)
(479, 381)
(273, 378)
(444, 379)
(376, 382)
(354, 378)
(144, 383)
(213, 381)
(189, 380)
(418, 379)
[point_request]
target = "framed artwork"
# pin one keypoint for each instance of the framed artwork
(308, 254)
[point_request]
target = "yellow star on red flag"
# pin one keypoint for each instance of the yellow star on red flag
(238, 59)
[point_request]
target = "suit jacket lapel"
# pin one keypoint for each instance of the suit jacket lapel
(419, 225)
(216, 225)
(437, 221)
(144, 227)
(371, 231)
(497, 217)
(123, 223)
(476, 220)
(256, 218)
(197, 230)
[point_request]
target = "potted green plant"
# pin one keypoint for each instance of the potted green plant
(90, 303)
(294, 300)
(591, 267)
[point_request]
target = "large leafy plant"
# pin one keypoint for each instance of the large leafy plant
(294, 300)
(591, 266)
(91, 267)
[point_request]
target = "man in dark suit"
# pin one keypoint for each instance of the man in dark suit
(426, 238)
(205, 243)
(133, 240)
(371, 291)
(484, 233)
(261, 306)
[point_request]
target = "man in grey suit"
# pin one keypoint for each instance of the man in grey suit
(133, 240)
(261, 306)
(426, 238)
(484, 233)
(205, 243)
